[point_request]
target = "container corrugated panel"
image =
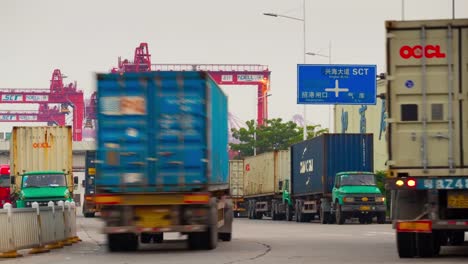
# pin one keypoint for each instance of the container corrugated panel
(161, 132)
(236, 178)
(44, 148)
(428, 62)
(263, 173)
(315, 162)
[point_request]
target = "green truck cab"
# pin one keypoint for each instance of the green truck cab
(42, 187)
(356, 195)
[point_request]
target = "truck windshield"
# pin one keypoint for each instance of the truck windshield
(4, 181)
(357, 179)
(44, 180)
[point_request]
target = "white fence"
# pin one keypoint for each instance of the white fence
(39, 228)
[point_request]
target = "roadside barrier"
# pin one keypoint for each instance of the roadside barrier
(39, 229)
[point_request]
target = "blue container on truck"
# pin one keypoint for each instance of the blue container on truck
(315, 162)
(162, 152)
(315, 166)
(89, 184)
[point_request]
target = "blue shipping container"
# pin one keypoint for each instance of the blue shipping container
(161, 132)
(315, 162)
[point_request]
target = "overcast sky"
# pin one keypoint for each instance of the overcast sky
(87, 36)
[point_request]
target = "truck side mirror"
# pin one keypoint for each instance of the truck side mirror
(13, 180)
(83, 183)
(75, 180)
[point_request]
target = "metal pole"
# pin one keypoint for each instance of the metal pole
(332, 112)
(304, 61)
(453, 9)
(402, 9)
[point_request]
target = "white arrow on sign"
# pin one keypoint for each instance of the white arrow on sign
(336, 89)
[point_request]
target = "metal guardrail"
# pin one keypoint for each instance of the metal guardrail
(38, 228)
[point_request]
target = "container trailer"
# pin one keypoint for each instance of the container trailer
(427, 102)
(332, 178)
(266, 181)
(329, 177)
(90, 208)
(162, 159)
(41, 165)
(236, 185)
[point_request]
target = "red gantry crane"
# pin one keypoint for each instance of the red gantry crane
(53, 116)
(58, 93)
(223, 74)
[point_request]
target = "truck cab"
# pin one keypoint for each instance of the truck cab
(4, 184)
(356, 195)
(42, 187)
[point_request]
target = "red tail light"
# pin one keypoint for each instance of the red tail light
(411, 183)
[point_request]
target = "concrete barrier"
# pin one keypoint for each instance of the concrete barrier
(38, 228)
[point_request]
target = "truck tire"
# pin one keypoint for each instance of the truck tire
(339, 215)
(324, 217)
(208, 239)
(88, 215)
(249, 210)
(274, 217)
(405, 244)
(456, 238)
(381, 218)
(225, 232)
(122, 242)
(289, 212)
(145, 238)
(427, 245)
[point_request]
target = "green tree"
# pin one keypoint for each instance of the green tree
(274, 135)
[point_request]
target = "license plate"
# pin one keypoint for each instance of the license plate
(152, 217)
(443, 184)
(457, 199)
(364, 208)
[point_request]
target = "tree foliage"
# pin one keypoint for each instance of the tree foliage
(273, 135)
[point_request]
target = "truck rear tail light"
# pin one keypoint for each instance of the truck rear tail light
(196, 198)
(424, 226)
(107, 199)
(411, 183)
(400, 183)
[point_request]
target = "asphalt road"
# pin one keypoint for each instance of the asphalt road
(254, 241)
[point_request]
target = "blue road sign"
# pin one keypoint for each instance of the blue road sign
(336, 84)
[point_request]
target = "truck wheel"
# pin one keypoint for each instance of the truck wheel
(427, 245)
(405, 244)
(339, 215)
(323, 217)
(362, 220)
(274, 216)
(122, 242)
(225, 236)
(289, 215)
(381, 217)
(87, 215)
(249, 210)
(210, 237)
(225, 232)
(456, 238)
(145, 238)
(158, 238)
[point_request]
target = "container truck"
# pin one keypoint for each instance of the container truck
(162, 159)
(90, 208)
(332, 178)
(266, 184)
(4, 184)
(236, 185)
(41, 165)
(427, 102)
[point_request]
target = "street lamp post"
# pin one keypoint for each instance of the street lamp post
(304, 48)
(255, 127)
(329, 62)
